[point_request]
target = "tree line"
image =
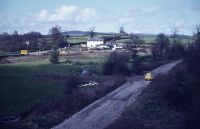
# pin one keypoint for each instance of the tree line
(16, 42)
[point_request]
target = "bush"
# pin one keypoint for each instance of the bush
(71, 84)
(78, 63)
(193, 114)
(136, 66)
(193, 90)
(92, 63)
(172, 94)
(68, 61)
(108, 68)
(117, 64)
(173, 91)
(192, 60)
(176, 51)
(54, 57)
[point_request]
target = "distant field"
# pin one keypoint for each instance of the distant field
(78, 39)
(122, 40)
(147, 39)
(21, 85)
(151, 39)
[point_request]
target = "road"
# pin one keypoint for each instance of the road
(107, 109)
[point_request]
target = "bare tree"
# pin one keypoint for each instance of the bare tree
(174, 35)
(54, 57)
(57, 35)
(134, 44)
(198, 28)
(92, 33)
(66, 38)
(162, 44)
(154, 51)
(197, 33)
(15, 33)
(171, 53)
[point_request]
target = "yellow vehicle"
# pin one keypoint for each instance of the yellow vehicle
(23, 52)
(148, 76)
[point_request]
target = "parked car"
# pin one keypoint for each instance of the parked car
(148, 76)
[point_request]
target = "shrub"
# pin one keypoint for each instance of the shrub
(54, 57)
(71, 84)
(68, 61)
(108, 68)
(172, 94)
(92, 63)
(173, 91)
(117, 64)
(192, 60)
(160, 47)
(193, 114)
(176, 51)
(136, 66)
(78, 63)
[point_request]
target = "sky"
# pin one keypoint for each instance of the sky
(137, 16)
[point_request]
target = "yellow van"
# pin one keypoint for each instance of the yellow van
(24, 52)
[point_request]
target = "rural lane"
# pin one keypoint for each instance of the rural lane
(107, 109)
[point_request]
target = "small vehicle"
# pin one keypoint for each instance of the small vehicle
(148, 76)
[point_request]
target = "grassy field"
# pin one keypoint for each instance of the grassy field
(79, 39)
(22, 87)
(151, 39)
(123, 40)
(147, 39)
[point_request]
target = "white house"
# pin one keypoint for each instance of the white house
(94, 42)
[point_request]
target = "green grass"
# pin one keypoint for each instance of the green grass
(8, 53)
(147, 39)
(20, 91)
(151, 39)
(99, 59)
(72, 40)
(22, 84)
(123, 40)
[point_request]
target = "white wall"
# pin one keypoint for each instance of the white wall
(94, 44)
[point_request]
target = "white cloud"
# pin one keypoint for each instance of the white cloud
(68, 16)
(67, 13)
(42, 15)
(155, 20)
(143, 19)
(85, 15)
(126, 18)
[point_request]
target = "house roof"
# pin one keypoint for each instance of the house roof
(95, 39)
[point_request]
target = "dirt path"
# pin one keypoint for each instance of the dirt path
(105, 110)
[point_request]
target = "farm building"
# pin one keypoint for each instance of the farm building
(94, 42)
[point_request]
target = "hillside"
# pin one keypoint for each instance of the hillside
(82, 36)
